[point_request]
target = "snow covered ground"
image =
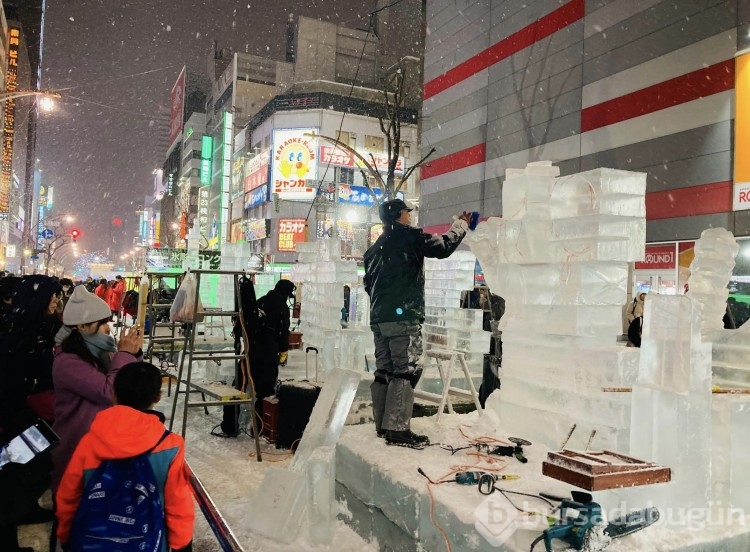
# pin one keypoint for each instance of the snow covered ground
(229, 470)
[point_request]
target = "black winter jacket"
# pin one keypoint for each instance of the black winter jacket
(394, 275)
(274, 335)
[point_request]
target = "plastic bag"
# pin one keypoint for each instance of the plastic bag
(183, 308)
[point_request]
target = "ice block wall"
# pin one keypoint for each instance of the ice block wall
(322, 274)
(559, 257)
(671, 411)
(446, 324)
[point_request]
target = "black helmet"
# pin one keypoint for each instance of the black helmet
(391, 210)
(285, 287)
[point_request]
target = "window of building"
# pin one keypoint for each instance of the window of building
(344, 175)
(375, 143)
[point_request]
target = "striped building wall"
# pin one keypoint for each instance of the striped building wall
(643, 85)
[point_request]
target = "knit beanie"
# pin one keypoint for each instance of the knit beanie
(84, 307)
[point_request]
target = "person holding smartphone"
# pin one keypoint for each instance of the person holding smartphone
(85, 370)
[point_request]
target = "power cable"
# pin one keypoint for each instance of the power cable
(108, 106)
(96, 83)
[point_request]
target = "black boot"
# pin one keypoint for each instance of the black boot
(406, 438)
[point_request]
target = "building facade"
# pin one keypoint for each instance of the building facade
(643, 86)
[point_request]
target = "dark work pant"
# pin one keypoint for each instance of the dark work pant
(398, 352)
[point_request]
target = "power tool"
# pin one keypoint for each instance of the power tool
(578, 517)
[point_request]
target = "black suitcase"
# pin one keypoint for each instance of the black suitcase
(296, 402)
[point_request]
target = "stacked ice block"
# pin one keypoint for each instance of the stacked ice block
(323, 275)
(446, 324)
(714, 260)
(671, 409)
(560, 258)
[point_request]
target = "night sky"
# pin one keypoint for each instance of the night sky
(120, 58)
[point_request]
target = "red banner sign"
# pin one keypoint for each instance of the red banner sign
(658, 257)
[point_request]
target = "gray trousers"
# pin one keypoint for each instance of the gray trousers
(398, 352)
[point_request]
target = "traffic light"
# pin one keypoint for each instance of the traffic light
(75, 234)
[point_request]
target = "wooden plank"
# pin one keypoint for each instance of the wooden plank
(220, 391)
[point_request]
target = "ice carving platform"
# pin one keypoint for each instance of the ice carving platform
(386, 478)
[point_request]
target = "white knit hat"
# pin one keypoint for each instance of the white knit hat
(84, 307)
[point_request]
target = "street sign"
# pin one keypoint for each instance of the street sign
(46, 234)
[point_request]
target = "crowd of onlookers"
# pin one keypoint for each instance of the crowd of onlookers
(59, 363)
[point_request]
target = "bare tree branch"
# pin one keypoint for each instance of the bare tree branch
(407, 174)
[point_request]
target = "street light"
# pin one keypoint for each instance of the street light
(12, 94)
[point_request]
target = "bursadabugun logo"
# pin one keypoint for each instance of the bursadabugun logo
(497, 519)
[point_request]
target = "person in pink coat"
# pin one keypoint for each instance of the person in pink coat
(84, 371)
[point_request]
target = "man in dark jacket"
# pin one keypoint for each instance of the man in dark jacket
(394, 280)
(269, 345)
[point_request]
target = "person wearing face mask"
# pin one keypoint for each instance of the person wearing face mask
(84, 371)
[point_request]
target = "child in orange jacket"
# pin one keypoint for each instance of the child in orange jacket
(128, 429)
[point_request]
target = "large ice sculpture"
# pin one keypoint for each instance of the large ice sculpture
(559, 256)
(300, 498)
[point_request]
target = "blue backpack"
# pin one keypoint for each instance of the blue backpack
(120, 508)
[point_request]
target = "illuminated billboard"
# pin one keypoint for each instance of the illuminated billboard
(207, 150)
(291, 232)
(256, 171)
(295, 164)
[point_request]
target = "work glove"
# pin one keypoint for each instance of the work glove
(283, 358)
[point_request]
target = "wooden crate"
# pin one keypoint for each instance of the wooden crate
(598, 471)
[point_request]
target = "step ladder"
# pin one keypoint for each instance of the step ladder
(158, 347)
(446, 361)
(219, 394)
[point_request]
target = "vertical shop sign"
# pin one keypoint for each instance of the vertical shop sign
(9, 115)
(291, 232)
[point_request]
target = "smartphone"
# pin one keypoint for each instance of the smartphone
(35, 439)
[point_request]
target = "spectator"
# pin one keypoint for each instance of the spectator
(128, 429)
(270, 345)
(394, 280)
(101, 290)
(67, 291)
(7, 287)
(83, 385)
(27, 346)
(635, 309)
(117, 291)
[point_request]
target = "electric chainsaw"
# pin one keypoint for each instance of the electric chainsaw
(581, 519)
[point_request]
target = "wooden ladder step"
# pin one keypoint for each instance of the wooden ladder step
(219, 391)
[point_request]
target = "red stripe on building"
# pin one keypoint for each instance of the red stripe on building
(685, 88)
(542, 28)
(454, 161)
(706, 199)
